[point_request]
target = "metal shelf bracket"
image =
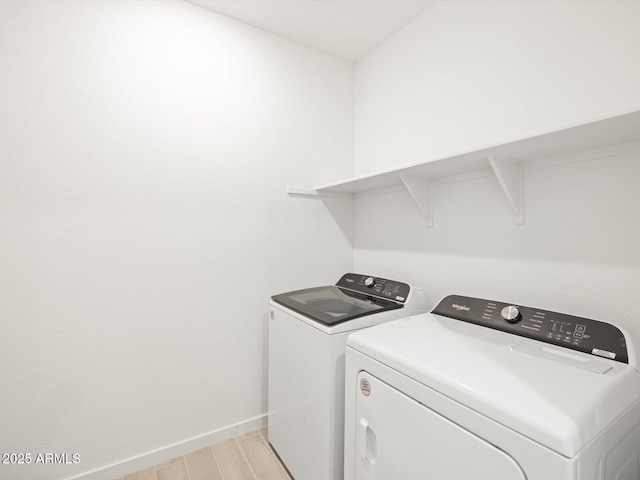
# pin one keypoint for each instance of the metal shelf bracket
(421, 191)
(302, 192)
(509, 175)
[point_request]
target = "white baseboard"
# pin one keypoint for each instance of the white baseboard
(132, 464)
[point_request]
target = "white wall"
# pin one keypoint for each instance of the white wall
(577, 252)
(144, 152)
(471, 74)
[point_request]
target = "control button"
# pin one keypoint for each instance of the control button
(369, 282)
(511, 314)
(580, 328)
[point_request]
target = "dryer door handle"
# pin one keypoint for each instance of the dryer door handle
(366, 442)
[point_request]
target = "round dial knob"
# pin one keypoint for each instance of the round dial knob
(369, 282)
(511, 314)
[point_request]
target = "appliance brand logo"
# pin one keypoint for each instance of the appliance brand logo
(349, 280)
(461, 307)
(365, 387)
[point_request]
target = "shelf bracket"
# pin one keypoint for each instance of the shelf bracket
(302, 192)
(317, 194)
(509, 175)
(420, 189)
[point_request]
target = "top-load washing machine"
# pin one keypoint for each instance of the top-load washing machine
(480, 389)
(307, 336)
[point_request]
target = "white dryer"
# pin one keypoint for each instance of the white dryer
(308, 332)
(483, 390)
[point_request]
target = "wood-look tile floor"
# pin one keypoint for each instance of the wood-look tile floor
(246, 457)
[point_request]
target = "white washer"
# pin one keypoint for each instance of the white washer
(308, 330)
(484, 390)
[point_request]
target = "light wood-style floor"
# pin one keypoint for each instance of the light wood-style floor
(246, 457)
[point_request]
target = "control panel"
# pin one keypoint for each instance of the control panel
(378, 287)
(577, 333)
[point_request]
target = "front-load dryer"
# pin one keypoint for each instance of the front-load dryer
(308, 330)
(485, 390)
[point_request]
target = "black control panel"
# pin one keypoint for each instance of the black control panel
(577, 333)
(379, 287)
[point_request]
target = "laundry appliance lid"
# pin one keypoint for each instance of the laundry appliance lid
(332, 305)
(353, 296)
(555, 396)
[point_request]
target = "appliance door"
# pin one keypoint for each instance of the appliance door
(397, 437)
(332, 305)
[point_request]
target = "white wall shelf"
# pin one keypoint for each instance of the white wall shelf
(505, 160)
